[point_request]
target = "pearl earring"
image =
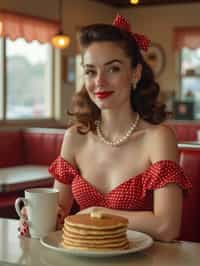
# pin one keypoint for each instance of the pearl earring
(134, 84)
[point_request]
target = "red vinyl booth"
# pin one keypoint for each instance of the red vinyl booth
(190, 161)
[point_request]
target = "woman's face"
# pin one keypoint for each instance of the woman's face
(107, 75)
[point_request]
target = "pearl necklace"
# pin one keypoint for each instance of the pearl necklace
(120, 140)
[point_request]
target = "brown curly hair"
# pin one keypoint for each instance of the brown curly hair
(144, 98)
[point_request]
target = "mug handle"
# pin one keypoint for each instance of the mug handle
(17, 207)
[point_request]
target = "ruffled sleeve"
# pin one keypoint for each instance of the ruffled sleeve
(165, 172)
(62, 170)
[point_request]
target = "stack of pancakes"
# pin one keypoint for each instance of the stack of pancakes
(94, 231)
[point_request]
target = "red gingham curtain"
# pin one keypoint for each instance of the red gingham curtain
(186, 37)
(15, 25)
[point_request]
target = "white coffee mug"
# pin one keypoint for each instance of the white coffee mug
(41, 204)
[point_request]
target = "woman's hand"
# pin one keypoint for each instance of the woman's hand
(23, 223)
(61, 214)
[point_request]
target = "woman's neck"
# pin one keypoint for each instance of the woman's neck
(115, 123)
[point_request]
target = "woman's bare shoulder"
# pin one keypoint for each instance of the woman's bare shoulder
(72, 141)
(161, 130)
(161, 142)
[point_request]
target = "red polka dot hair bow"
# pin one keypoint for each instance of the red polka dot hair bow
(142, 41)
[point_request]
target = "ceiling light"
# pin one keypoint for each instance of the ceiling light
(134, 2)
(61, 40)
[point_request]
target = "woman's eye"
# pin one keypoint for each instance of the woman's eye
(114, 69)
(89, 72)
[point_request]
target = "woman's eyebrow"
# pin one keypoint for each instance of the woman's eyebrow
(88, 65)
(107, 63)
(113, 61)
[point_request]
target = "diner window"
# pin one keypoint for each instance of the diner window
(190, 77)
(187, 44)
(28, 79)
(26, 66)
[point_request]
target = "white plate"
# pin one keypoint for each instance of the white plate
(137, 240)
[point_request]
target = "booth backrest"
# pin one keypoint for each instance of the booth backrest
(42, 146)
(185, 131)
(29, 146)
(11, 152)
(190, 161)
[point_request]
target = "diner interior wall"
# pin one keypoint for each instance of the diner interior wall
(158, 22)
(32, 7)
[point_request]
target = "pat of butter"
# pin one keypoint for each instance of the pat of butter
(96, 215)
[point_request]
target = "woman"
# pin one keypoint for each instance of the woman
(116, 156)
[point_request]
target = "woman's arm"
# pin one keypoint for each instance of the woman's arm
(163, 223)
(65, 198)
(68, 151)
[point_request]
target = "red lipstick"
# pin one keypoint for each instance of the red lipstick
(103, 94)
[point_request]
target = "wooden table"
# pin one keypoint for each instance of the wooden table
(26, 251)
(21, 177)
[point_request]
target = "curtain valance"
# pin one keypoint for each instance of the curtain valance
(187, 37)
(16, 25)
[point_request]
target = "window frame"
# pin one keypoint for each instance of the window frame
(52, 120)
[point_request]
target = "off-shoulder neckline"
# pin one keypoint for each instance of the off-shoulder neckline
(129, 179)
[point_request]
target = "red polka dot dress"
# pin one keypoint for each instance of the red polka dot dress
(136, 193)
